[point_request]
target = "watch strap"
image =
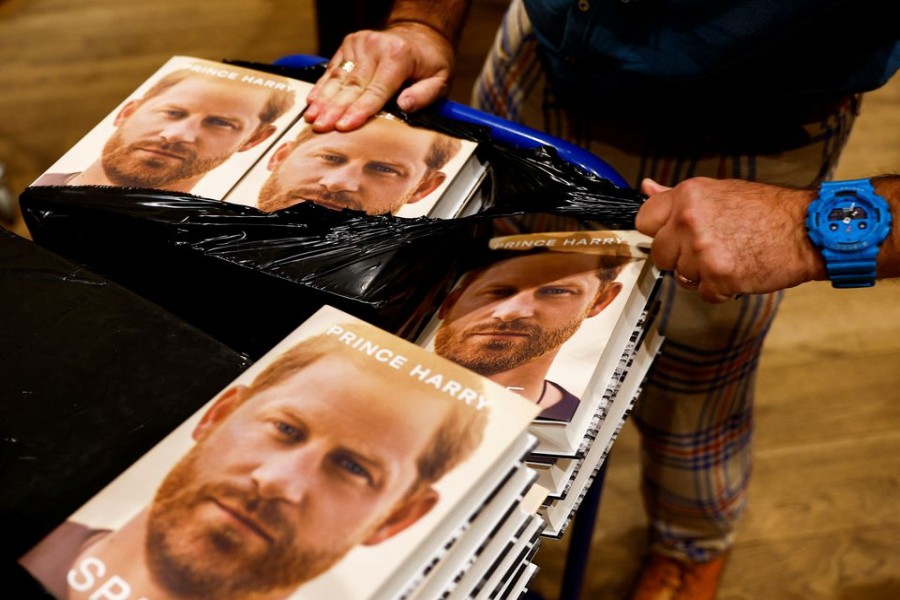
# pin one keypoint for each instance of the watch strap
(850, 272)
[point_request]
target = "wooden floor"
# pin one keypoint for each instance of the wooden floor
(824, 519)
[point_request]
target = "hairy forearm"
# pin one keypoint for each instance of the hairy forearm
(444, 16)
(730, 237)
(888, 187)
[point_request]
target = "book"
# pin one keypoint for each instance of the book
(227, 132)
(554, 472)
(385, 166)
(519, 585)
(412, 574)
(568, 311)
(502, 550)
(559, 512)
(549, 316)
(194, 126)
(464, 193)
(280, 486)
(498, 519)
(520, 554)
(557, 474)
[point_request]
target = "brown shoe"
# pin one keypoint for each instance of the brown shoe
(666, 578)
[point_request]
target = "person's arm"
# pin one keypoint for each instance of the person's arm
(740, 237)
(416, 47)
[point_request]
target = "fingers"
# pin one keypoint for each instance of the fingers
(684, 281)
(650, 187)
(352, 101)
(698, 279)
(355, 86)
(371, 66)
(671, 249)
(712, 292)
(422, 93)
(666, 248)
(655, 219)
(320, 90)
(656, 210)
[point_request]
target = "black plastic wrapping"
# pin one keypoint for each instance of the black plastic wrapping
(92, 377)
(248, 278)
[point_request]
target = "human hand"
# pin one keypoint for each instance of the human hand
(382, 62)
(729, 237)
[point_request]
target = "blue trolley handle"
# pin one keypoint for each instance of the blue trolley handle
(503, 132)
(520, 136)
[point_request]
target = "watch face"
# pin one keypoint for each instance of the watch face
(847, 214)
(848, 222)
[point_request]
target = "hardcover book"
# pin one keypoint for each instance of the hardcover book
(498, 519)
(554, 472)
(385, 167)
(227, 132)
(502, 550)
(502, 574)
(194, 126)
(549, 316)
(557, 474)
(518, 587)
(559, 512)
(336, 466)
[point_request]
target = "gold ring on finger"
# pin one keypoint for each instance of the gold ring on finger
(686, 282)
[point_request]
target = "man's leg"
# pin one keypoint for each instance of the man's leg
(695, 415)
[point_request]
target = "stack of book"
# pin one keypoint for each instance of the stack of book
(226, 132)
(346, 463)
(564, 319)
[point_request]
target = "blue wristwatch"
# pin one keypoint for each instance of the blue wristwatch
(848, 222)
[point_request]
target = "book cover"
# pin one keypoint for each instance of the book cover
(385, 166)
(319, 473)
(194, 126)
(540, 315)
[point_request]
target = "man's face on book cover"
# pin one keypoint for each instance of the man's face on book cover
(184, 132)
(517, 310)
(375, 169)
(282, 487)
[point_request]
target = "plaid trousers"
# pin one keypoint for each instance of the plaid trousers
(695, 416)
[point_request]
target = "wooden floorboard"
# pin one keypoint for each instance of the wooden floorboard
(822, 522)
